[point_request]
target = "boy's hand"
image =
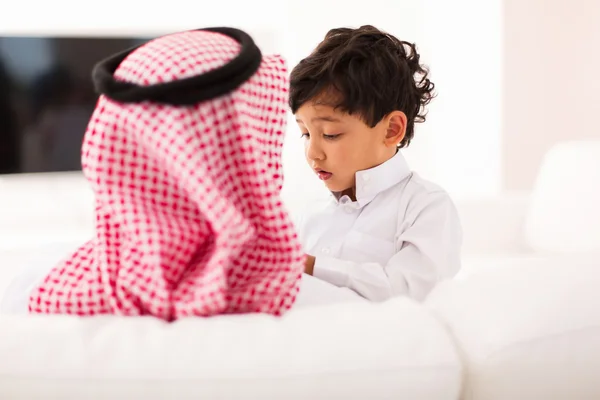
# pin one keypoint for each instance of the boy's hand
(309, 264)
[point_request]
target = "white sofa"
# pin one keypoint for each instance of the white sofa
(521, 321)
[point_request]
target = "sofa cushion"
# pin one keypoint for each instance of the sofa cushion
(342, 351)
(21, 268)
(527, 331)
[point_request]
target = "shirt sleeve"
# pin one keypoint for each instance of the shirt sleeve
(429, 243)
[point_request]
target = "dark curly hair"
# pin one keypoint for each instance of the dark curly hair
(365, 72)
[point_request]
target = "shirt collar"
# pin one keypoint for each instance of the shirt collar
(371, 182)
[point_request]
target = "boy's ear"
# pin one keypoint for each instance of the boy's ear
(396, 128)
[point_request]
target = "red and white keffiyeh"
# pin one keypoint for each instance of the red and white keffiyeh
(189, 220)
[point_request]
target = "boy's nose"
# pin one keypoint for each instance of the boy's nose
(314, 152)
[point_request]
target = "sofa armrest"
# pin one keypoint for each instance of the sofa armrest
(528, 330)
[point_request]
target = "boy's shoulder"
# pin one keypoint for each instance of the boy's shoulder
(420, 193)
(418, 185)
(410, 196)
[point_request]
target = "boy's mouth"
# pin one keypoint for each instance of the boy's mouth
(322, 174)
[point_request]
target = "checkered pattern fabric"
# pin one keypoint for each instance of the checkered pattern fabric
(189, 221)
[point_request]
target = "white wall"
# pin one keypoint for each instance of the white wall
(134, 17)
(552, 61)
(462, 42)
(459, 145)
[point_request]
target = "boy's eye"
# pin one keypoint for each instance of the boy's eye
(306, 135)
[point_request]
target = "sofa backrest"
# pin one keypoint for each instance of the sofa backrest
(564, 212)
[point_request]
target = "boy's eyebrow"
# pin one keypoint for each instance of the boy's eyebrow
(325, 119)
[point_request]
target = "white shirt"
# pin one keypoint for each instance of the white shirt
(400, 237)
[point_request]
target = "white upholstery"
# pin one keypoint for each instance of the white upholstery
(529, 331)
(564, 214)
(343, 351)
(493, 226)
(21, 270)
(39, 209)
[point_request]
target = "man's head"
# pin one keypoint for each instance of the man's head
(356, 99)
(186, 176)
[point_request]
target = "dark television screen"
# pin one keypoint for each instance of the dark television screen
(46, 99)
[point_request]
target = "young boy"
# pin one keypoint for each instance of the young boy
(386, 231)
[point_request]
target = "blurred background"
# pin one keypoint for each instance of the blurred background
(513, 77)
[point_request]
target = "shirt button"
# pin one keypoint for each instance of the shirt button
(349, 209)
(325, 250)
(366, 177)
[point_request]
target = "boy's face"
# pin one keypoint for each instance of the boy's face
(337, 144)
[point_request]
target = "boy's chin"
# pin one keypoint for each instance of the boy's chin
(336, 187)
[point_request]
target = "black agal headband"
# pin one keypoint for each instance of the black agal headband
(188, 91)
